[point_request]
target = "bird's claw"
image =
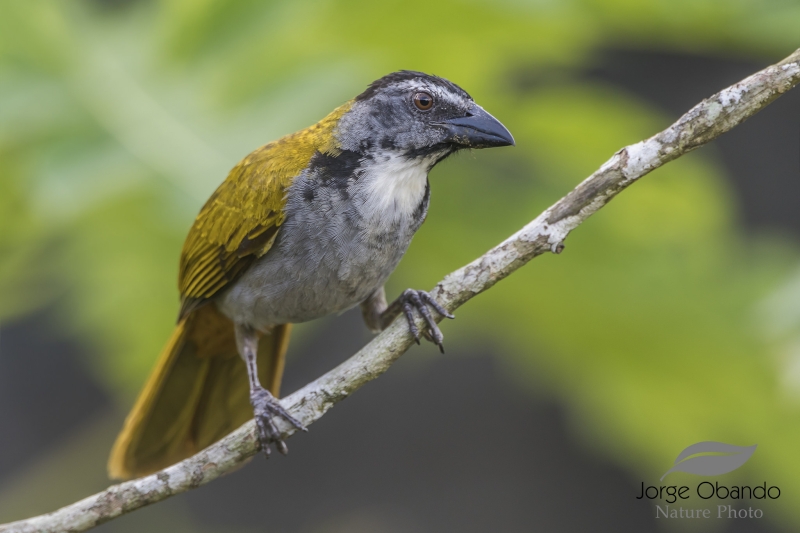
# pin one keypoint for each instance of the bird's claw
(421, 300)
(265, 407)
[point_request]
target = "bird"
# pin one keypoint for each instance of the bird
(309, 225)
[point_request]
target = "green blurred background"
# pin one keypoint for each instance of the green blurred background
(672, 317)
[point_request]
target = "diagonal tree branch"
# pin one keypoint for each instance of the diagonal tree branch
(704, 122)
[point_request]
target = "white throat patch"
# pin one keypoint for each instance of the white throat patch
(392, 188)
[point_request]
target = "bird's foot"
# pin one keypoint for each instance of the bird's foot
(413, 299)
(265, 407)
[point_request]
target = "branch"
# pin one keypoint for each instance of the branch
(703, 123)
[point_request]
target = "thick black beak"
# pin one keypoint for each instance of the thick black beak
(478, 129)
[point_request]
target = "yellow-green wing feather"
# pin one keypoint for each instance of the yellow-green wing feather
(240, 221)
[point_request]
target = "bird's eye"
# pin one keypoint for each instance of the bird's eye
(423, 101)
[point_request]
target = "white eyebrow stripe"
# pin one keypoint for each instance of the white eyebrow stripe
(445, 93)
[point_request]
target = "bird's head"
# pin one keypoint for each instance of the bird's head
(420, 117)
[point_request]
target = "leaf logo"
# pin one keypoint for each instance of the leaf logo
(731, 458)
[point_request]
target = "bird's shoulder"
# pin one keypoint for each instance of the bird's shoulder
(240, 220)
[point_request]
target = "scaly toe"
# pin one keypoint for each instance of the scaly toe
(436, 305)
(421, 300)
(265, 408)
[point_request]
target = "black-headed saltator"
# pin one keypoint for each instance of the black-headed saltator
(305, 226)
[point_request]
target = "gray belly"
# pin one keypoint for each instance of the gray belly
(328, 257)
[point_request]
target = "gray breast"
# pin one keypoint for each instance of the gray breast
(340, 240)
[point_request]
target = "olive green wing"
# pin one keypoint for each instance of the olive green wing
(237, 225)
(240, 221)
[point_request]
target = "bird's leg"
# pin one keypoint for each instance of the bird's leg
(378, 315)
(265, 405)
(372, 310)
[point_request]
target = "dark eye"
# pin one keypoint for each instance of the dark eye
(423, 101)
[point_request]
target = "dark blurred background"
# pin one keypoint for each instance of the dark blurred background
(673, 316)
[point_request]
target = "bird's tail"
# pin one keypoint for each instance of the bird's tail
(197, 394)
